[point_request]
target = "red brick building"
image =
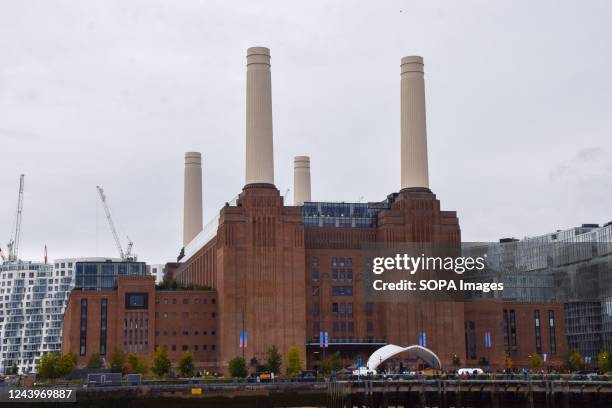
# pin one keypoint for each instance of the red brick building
(286, 273)
(322, 287)
(136, 318)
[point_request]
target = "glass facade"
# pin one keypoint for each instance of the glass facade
(103, 275)
(342, 215)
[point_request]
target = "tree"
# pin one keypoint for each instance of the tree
(117, 364)
(65, 364)
(604, 360)
(185, 365)
(294, 362)
(456, 361)
(254, 363)
(508, 363)
(94, 361)
(12, 370)
(135, 365)
(237, 367)
(535, 361)
(46, 365)
(274, 360)
(161, 363)
(332, 363)
(576, 361)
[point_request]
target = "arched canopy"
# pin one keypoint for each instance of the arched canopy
(391, 350)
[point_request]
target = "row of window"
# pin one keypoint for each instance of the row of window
(185, 332)
(336, 290)
(342, 326)
(196, 347)
(342, 309)
(185, 301)
(184, 315)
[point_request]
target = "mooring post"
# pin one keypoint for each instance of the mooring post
(494, 396)
(458, 395)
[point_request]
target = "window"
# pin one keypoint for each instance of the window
(315, 309)
(551, 331)
(174, 301)
(174, 347)
(185, 347)
(83, 332)
(538, 331)
(185, 301)
(369, 308)
(513, 342)
(506, 332)
(315, 291)
(342, 291)
(165, 301)
(136, 301)
(103, 325)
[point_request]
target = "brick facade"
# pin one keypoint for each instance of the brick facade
(181, 321)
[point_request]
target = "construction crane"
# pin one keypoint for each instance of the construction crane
(127, 254)
(13, 244)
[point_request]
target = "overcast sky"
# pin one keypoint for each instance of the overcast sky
(519, 105)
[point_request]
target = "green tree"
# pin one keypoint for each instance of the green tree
(331, 363)
(535, 361)
(294, 362)
(237, 367)
(456, 361)
(136, 365)
(274, 360)
(161, 363)
(46, 365)
(94, 361)
(117, 364)
(185, 365)
(576, 361)
(12, 370)
(604, 360)
(65, 364)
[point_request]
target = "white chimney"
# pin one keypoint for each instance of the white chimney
(192, 210)
(259, 144)
(413, 126)
(301, 180)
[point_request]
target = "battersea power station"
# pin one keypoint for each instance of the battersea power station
(273, 274)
